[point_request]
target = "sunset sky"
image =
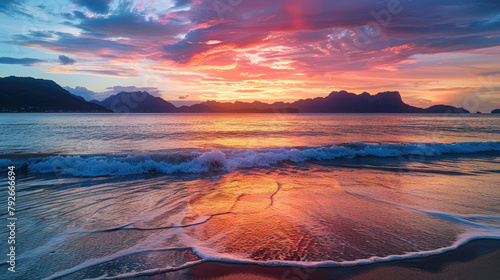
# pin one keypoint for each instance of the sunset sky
(433, 52)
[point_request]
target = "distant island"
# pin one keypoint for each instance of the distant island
(496, 111)
(25, 94)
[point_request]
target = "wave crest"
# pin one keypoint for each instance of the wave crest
(233, 159)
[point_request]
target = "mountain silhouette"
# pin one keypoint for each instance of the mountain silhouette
(37, 95)
(238, 107)
(346, 102)
(136, 102)
(26, 94)
(335, 102)
(445, 109)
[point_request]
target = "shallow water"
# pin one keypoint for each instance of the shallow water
(140, 207)
(125, 133)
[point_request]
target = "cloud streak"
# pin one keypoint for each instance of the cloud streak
(62, 59)
(20, 61)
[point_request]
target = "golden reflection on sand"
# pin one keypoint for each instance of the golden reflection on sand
(302, 215)
(259, 216)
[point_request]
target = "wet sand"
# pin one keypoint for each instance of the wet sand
(478, 259)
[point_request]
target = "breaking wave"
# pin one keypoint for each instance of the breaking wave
(232, 159)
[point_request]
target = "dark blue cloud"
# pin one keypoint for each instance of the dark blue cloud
(20, 61)
(182, 3)
(131, 25)
(8, 4)
(64, 60)
(70, 43)
(96, 6)
(40, 34)
(78, 14)
(13, 7)
(74, 15)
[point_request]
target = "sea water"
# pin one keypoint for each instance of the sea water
(115, 195)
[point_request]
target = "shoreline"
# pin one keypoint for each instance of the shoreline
(476, 259)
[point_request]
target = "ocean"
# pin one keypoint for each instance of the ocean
(109, 196)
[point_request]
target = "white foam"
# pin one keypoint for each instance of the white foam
(153, 243)
(209, 254)
(231, 159)
(150, 272)
(150, 244)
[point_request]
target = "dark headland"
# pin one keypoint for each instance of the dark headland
(25, 94)
(36, 95)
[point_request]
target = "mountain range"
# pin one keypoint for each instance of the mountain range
(37, 95)
(336, 102)
(19, 94)
(136, 102)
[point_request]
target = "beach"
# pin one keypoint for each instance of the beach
(198, 205)
(475, 260)
(231, 139)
